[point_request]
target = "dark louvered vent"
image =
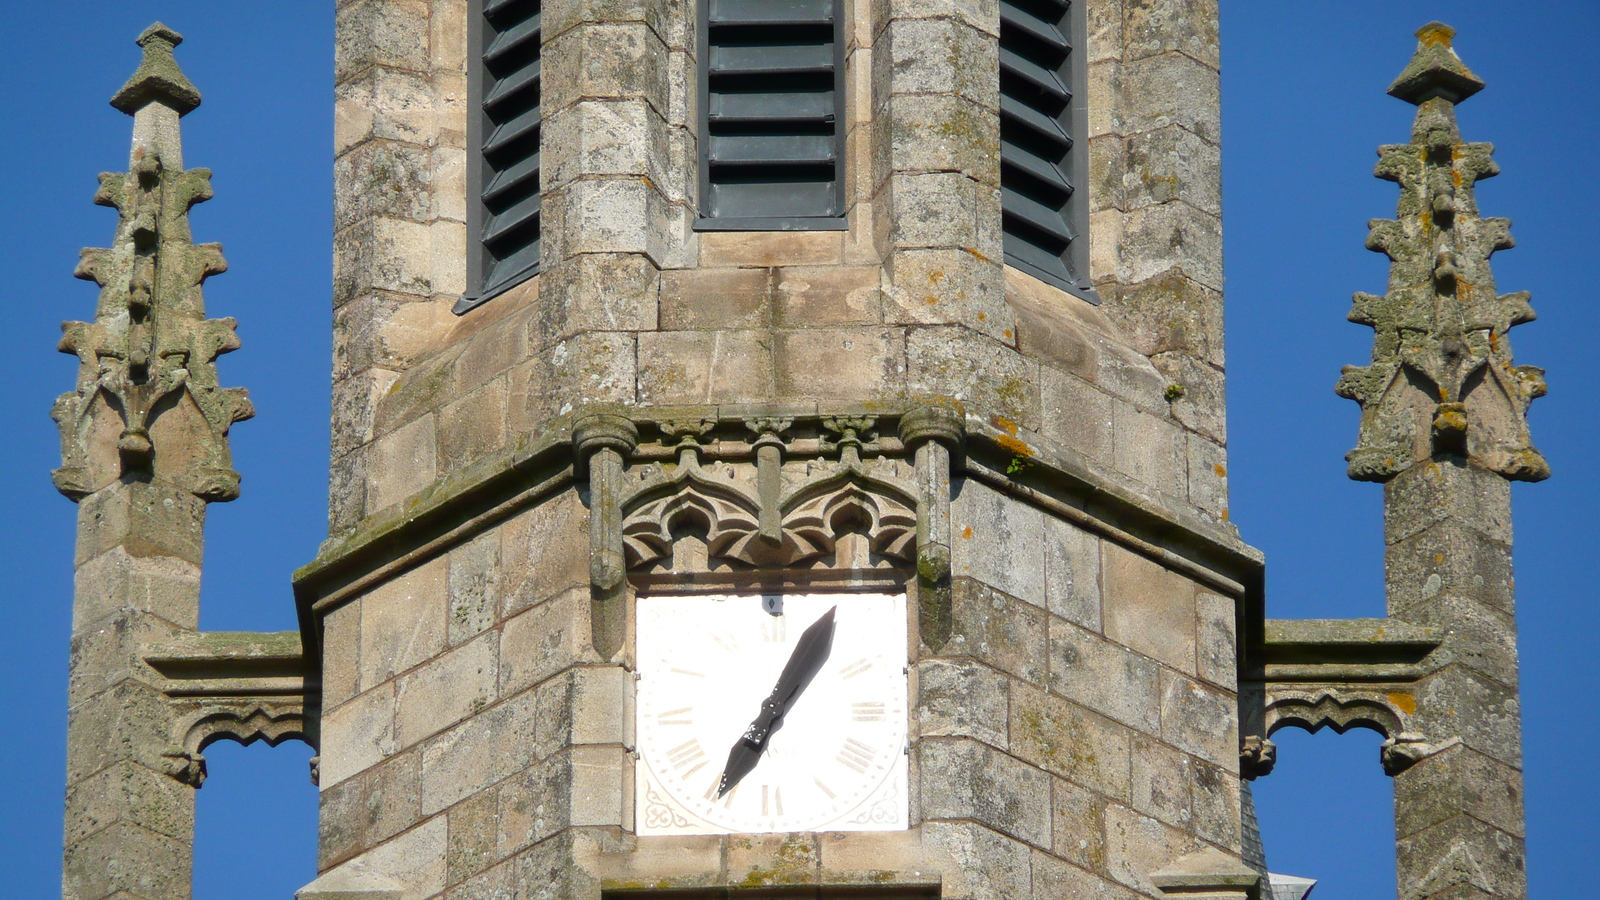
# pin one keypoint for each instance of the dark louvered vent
(773, 83)
(1037, 162)
(508, 176)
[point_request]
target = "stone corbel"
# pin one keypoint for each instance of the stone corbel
(1257, 756)
(933, 434)
(602, 442)
(1406, 749)
(770, 433)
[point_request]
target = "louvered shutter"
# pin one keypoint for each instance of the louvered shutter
(508, 134)
(1037, 161)
(771, 139)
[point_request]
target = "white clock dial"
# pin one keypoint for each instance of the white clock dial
(837, 760)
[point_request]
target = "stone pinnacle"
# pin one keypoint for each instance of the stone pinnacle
(1435, 70)
(158, 78)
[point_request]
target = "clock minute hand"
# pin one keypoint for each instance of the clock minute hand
(810, 652)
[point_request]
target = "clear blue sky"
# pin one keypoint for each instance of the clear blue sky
(1304, 109)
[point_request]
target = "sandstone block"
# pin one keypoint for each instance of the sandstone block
(1070, 741)
(1151, 449)
(701, 367)
(938, 56)
(999, 542)
(968, 780)
(1199, 720)
(446, 690)
(544, 551)
(593, 368)
(816, 295)
(1139, 845)
(1108, 678)
(403, 622)
(474, 427)
(1208, 476)
(1072, 573)
(773, 859)
(473, 832)
(1185, 26)
(961, 699)
(994, 866)
(945, 286)
(1149, 607)
(955, 362)
(533, 805)
(1078, 825)
(124, 860)
(1075, 413)
(129, 793)
(357, 735)
(1172, 163)
(712, 299)
(479, 752)
(771, 248)
(996, 629)
(367, 809)
(474, 585)
(539, 642)
(839, 364)
(391, 33)
(1217, 647)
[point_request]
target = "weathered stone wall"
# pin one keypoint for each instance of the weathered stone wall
(1075, 732)
(636, 309)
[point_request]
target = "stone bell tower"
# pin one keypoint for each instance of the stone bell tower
(778, 451)
(647, 311)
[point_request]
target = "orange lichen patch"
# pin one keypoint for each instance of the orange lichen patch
(980, 257)
(966, 533)
(1224, 515)
(1016, 446)
(1007, 334)
(982, 316)
(936, 276)
(1004, 424)
(1438, 557)
(1435, 33)
(931, 300)
(1220, 470)
(1404, 702)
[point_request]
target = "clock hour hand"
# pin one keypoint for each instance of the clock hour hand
(810, 652)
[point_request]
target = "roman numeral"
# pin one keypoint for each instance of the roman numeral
(864, 712)
(856, 668)
(821, 785)
(687, 758)
(726, 641)
(771, 802)
(856, 755)
(676, 716)
(689, 673)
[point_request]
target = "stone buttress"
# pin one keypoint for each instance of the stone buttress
(1444, 429)
(144, 445)
(884, 407)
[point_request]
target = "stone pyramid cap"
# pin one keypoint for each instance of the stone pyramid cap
(1435, 70)
(158, 78)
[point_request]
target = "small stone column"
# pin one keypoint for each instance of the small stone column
(144, 442)
(1444, 428)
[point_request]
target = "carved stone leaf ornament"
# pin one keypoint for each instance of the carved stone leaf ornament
(1441, 378)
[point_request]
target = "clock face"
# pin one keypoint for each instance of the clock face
(835, 760)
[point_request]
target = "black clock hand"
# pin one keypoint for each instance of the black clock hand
(810, 652)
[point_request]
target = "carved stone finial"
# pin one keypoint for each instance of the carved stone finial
(158, 78)
(148, 403)
(1441, 382)
(1435, 70)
